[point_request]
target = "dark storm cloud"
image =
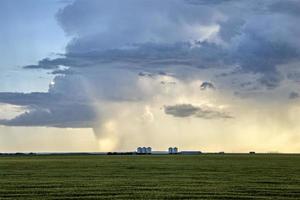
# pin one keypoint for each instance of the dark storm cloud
(189, 110)
(253, 54)
(148, 55)
(250, 45)
(159, 36)
(260, 55)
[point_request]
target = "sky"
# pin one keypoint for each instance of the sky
(112, 75)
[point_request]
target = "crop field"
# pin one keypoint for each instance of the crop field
(207, 176)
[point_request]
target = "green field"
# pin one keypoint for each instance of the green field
(150, 177)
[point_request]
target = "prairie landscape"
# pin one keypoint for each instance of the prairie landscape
(182, 77)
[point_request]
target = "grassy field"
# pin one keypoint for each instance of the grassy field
(150, 177)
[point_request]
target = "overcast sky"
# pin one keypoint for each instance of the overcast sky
(90, 75)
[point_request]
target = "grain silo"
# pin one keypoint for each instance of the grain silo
(139, 150)
(148, 150)
(175, 150)
(170, 150)
(144, 150)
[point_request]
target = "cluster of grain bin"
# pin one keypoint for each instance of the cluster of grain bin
(173, 150)
(144, 150)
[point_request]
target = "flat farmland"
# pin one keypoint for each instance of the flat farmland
(206, 176)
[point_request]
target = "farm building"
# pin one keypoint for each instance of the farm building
(173, 150)
(191, 152)
(144, 150)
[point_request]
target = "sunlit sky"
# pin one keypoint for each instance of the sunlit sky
(112, 75)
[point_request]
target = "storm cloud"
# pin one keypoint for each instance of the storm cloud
(189, 110)
(201, 34)
(115, 43)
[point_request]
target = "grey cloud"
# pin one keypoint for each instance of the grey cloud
(252, 55)
(251, 46)
(28, 99)
(110, 83)
(111, 24)
(48, 109)
(182, 110)
(207, 85)
(115, 40)
(148, 55)
(293, 95)
(231, 28)
(209, 2)
(189, 110)
(153, 74)
(46, 63)
(54, 64)
(146, 74)
(259, 54)
(271, 80)
(70, 102)
(245, 84)
(289, 7)
(294, 76)
(67, 116)
(248, 86)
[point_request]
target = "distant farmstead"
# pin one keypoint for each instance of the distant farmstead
(173, 150)
(170, 150)
(144, 150)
